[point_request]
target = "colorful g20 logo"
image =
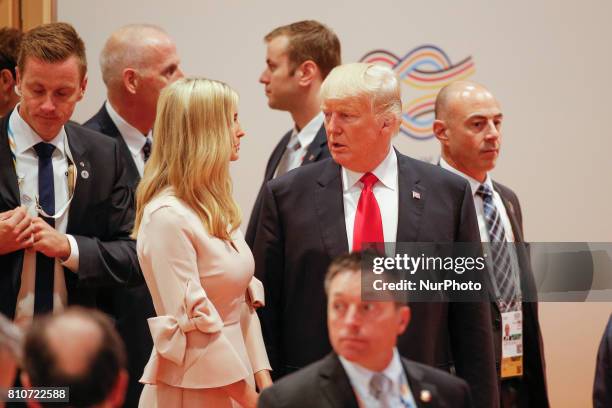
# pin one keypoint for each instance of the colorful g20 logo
(424, 71)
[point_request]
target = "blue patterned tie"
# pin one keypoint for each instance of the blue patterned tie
(43, 299)
(500, 252)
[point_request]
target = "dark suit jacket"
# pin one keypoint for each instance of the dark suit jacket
(317, 151)
(602, 387)
(100, 218)
(324, 384)
(533, 392)
(302, 228)
(131, 306)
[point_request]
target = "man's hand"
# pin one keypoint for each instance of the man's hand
(15, 230)
(48, 241)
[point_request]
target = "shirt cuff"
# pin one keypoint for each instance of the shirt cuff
(72, 262)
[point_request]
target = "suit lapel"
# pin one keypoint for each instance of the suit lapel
(84, 176)
(516, 230)
(329, 208)
(9, 190)
(412, 196)
(314, 150)
(425, 394)
(335, 385)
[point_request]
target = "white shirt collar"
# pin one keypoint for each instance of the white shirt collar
(132, 136)
(309, 132)
(386, 172)
(26, 138)
(360, 376)
(474, 184)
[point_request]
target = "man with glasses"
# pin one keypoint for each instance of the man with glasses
(66, 211)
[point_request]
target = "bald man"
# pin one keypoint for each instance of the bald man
(79, 349)
(137, 62)
(468, 126)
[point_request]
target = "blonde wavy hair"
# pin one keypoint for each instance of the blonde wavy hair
(191, 153)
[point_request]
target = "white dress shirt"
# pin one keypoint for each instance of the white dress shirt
(385, 190)
(360, 377)
(479, 205)
(134, 139)
(305, 137)
(25, 138)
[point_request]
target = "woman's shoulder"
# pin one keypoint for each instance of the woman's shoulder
(167, 205)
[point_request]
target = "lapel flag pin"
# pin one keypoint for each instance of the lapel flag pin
(425, 395)
(85, 174)
(416, 195)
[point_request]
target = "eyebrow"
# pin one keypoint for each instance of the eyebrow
(478, 115)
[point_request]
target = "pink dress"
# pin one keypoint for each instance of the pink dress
(206, 334)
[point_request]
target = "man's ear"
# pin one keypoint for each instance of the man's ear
(6, 80)
(404, 319)
(440, 131)
(307, 72)
(83, 87)
(117, 395)
(130, 80)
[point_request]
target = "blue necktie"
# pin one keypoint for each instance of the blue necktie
(502, 263)
(43, 299)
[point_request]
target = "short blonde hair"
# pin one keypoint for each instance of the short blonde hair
(375, 83)
(191, 153)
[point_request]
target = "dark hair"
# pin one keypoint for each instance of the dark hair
(90, 387)
(10, 43)
(310, 40)
(52, 43)
(343, 263)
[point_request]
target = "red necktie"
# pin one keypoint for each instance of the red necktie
(368, 222)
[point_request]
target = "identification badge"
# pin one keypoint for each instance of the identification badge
(512, 344)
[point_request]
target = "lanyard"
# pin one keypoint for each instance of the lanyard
(71, 176)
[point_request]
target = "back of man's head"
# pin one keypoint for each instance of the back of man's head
(10, 43)
(310, 40)
(79, 349)
(131, 46)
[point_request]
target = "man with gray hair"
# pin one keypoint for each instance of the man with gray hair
(137, 62)
(367, 192)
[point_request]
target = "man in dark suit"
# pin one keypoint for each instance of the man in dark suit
(468, 126)
(299, 57)
(602, 386)
(10, 40)
(137, 62)
(367, 193)
(364, 366)
(66, 211)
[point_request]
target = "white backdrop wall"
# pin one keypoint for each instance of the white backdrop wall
(547, 62)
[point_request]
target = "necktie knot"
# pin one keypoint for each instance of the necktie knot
(378, 385)
(44, 150)
(146, 149)
(368, 180)
(484, 191)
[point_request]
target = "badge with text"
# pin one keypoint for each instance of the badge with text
(512, 344)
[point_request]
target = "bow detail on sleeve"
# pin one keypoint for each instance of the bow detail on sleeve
(255, 296)
(169, 332)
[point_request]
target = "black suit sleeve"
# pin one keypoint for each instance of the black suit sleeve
(471, 334)
(602, 388)
(268, 399)
(269, 268)
(110, 257)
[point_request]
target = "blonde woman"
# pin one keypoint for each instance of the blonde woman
(208, 348)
